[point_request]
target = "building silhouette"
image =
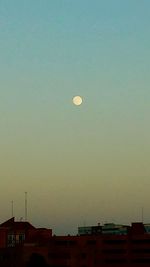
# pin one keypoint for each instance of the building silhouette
(23, 245)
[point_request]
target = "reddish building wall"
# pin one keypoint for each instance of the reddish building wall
(103, 250)
(3, 237)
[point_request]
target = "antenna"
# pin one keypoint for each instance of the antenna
(142, 214)
(12, 208)
(25, 206)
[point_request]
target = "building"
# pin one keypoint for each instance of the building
(101, 246)
(107, 228)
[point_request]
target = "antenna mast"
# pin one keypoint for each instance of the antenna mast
(142, 214)
(25, 206)
(12, 208)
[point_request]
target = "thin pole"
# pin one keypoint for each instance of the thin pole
(25, 206)
(142, 214)
(12, 208)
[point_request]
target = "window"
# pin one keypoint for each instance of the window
(91, 242)
(114, 241)
(141, 241)
(141, 250)
(11, 240)
(59, 255)
(141, 261)
(111, 261)
(72, 242)
(61, 242)
(114, 251)
(65, 242)
(21, 238)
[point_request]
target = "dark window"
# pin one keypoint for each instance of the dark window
(115, 261)
(59, 255)
(21, 237)
(114, 251)
(91, 242)
(141, 241)
(141, 250)
(65, 242)
(141, 261)
(114, 241)
(61, 242)
(72, 242)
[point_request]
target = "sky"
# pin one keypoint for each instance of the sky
(79, 165)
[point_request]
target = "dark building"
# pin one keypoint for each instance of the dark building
(107, 245)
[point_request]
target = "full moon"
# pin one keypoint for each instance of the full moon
(77, 100)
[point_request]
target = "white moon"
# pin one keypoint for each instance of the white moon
(77, 100)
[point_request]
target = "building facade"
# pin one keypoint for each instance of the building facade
(108, 247)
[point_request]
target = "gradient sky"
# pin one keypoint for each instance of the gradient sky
(79, 165)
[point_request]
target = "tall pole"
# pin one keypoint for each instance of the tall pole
(142, 214)
(25, 206)
(12, 208)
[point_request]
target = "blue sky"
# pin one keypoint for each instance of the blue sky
(72, 159)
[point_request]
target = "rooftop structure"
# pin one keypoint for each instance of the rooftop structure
(107, 228)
